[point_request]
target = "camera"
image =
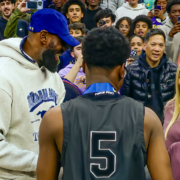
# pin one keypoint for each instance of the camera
(102, 23)
(34, 4)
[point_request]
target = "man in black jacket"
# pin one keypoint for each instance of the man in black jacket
(151, 79)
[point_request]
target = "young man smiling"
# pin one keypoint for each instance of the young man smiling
(151, 79)
(74, 10)
(7, 7)
(172, 30)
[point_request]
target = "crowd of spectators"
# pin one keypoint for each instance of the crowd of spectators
(152, 28)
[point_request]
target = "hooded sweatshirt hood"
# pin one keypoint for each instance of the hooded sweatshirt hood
(128, 11)
(11, 48)
(139, 7)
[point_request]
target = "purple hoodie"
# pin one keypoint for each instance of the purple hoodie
(77, 82)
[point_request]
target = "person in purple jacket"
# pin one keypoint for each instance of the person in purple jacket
(74, 72)
(172, 129)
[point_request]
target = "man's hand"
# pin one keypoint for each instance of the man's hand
(175, 29)
(22, 6)
(130, 60)
(79, 61)
(159, 13)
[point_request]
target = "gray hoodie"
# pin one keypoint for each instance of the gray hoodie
(128, 11)
(172, 44)
(111, 4)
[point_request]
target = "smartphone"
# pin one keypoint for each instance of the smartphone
(33, 4)
(178, 19)
(157, 7)
(134, 55)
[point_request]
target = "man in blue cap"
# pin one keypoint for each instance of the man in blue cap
(29, 86)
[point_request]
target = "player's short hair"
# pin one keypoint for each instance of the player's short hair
(170, 4)
(154, 32)
(104, 13)
(105, 47)
(80, 39)
(79, 26)
(12, 1)
(72, 2)
(143, 18)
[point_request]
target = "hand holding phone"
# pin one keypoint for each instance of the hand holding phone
(22, 6)
(175, 29)
(134, 55)
(158, 12)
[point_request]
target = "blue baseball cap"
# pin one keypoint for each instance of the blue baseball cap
(53, 22)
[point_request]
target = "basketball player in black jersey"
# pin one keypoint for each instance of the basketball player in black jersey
(101, 134)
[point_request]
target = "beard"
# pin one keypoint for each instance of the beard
(49, 61)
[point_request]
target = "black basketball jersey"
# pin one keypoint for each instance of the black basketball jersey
(103, 138)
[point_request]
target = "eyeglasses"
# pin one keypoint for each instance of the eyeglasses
(126, 27)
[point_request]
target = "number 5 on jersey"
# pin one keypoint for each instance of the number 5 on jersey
(97, 152)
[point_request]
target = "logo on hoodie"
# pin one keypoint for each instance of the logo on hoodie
(44, 95)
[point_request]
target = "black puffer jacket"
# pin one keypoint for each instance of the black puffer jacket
(135, 82)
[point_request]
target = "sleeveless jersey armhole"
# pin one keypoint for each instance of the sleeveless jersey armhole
(65, 131)
(141, 133)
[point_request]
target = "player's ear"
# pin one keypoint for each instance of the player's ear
(122, 71)
(44, 37)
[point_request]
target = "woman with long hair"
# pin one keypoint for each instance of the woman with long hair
(125, 26)
(172, 119)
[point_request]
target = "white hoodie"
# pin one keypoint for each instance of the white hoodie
(111, 4)
(172, 44)
(127, 11)
(26, 93)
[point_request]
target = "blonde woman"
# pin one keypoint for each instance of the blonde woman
(172, 129)
(172, 119)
